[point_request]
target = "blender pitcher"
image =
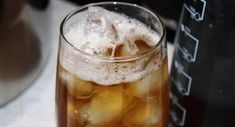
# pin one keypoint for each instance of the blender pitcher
(203, 69)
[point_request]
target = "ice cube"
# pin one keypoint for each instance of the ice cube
(145, 114)
(129, 102)
(99, 24)
(132, 47)
(142, 45)
(121, 50)
(105, 107)
(96, 49)
(81, 89)
(149, 85)
(78, 88)
(126, 49)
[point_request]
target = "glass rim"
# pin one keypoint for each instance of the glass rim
(111, 58)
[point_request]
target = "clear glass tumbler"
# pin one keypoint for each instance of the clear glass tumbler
(112, 68)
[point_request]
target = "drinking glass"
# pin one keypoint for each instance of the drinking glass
(114, 90)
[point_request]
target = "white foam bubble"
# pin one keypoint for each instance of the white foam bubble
(98, 31)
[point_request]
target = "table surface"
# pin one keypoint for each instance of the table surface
(36, 106)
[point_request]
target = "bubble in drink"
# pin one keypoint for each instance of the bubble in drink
(99, 93)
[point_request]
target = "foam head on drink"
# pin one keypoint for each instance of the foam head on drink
(96, 92)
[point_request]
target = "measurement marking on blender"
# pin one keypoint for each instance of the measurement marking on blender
(181, 79)
(173, 97)
(189, 46)
(196, 13)
(178, 113)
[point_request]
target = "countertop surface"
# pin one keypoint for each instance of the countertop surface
(36, 106)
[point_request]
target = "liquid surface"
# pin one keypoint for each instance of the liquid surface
(104, 33)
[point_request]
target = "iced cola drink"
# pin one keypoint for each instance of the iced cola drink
(112, 68)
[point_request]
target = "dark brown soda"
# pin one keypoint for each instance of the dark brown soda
(83, 103)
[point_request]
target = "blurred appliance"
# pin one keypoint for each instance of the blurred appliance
(21, 57)
(202, 77)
